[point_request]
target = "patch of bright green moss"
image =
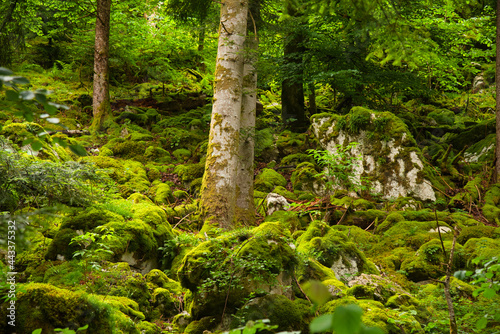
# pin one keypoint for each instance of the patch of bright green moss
(268, 180)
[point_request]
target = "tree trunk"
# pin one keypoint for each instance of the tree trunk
(245, 207)
(201, 46)
(101, 104)
(497, 80)
(292, 89)
(218, 188)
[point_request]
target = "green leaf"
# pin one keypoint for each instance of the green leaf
(60, 142)
(50, 109)
(12, 95)
(481, 323)
(78, 150)
(27, 95)
(317, 292)
(489, 293)
(322, 323)
(36, 145)
(27, 141)
(6, 71)
(370, 330)
(347, 319)
(83, 328)
(42, 98)
(20, 81)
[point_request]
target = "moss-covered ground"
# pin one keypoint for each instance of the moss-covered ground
(125, 252)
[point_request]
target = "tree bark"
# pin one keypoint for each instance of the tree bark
(245, 206)
(497, 81)
(101, 100)
(292, 88)
(218, 200)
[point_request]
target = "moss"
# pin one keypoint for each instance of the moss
(427, 262)
(145, 327)
(410, 234)
(376, 315)
(157, 154)
(442, 116)
(304, 177)
(477, 231)
(223, 271)
(126, 306)
(181, 194)
(163, 194)
(160, 279)
(47, 307)
(471, 193)
(128, 149)
(60, 246)
(182, 154)
(278, 309)
(200, 326)
(289, 219)
(189, 172)
(68, 274)
(284, 192)
(333, 249)
(269, 179)
(296, 158)
(491, 208)
(481, 248)
(131, 176)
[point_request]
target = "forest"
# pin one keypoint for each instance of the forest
(249, 166)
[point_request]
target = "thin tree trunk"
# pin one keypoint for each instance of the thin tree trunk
(245, 206)
(201, 46)
(101, 101)
(218, 200)
(497, 80)
(449, 301)
(292, 88)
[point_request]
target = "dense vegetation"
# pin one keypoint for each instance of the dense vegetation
(375, 204)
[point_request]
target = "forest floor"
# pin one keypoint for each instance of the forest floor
(113, 240)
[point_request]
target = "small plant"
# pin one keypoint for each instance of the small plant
(344, 320)
(62, 330)
(487, 277)
(253, 327)
(93, 248)
(339, 168)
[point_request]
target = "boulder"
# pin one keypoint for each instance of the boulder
(390, 156)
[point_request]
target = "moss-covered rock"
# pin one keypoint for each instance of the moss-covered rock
(305, 178)
(281, 311)
(269, 179)
(47, 307)
(375, 287)
(376, 315)
(223, 271)
(491, 208)
(333, 249)
(131, 176)
(485, 248)
(428, 261)
(390, 156)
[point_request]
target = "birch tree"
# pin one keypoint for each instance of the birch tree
(101, 103)
(245, 208)
(218, 191)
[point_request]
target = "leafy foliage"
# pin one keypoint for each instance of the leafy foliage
(339, 168)
(487, 277)
(27, 182)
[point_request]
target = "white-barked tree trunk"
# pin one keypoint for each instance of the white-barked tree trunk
(218, 190)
